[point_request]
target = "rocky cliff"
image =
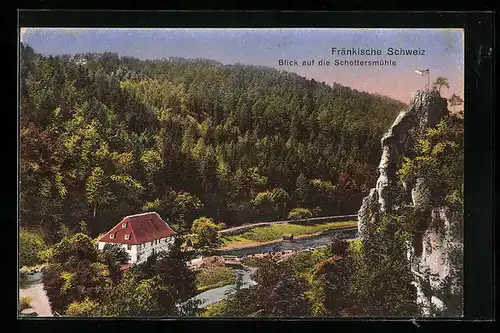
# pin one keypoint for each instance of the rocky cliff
(435, 253)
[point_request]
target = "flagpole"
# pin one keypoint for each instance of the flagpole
(428, 73)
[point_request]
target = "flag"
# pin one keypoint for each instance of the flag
(422, 71)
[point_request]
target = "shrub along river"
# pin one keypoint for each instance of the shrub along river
(32, 285)
(212, 296)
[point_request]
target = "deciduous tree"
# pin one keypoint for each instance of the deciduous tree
(206, 231)
(74, 273)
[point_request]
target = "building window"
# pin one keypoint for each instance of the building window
(124, 225)
(127, 236)
(112, 236)
(129, 247)
(151, 243)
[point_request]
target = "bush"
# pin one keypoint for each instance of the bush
(301, 262)
(25, 303)
(304, 262)
(252, 261)
(30, 246)
(46, 254)
(24, 270)
(338, 247)
(214, 277)
(216, 310)
(206, 232)
(300, 214)
(86, 308)
(74, 273)
(356, 246)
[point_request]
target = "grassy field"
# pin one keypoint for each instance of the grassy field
(274, 232)
(214, 277)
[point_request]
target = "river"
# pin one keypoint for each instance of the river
(212, 296)
(33, 288)
(297, 245)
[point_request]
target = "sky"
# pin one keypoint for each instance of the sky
(444, 51)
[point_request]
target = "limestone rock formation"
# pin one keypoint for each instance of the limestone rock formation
(436, 263)
(433, 255)
(425, 111)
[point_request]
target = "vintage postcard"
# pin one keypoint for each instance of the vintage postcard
(204, 172)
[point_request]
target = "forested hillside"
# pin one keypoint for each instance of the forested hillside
(103, 136)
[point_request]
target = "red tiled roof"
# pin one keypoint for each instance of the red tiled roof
(140, 229)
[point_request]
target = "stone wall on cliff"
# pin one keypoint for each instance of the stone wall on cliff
(433, 253)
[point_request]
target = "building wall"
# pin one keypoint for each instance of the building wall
(132, 252)
(139, 253)
(146, 249)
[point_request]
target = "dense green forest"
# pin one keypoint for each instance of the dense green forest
(368, 277)
(113, 136)
(103, 136)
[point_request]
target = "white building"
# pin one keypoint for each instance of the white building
(141, 235)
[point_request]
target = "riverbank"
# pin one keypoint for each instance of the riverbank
(33, 288)
(272, 235)
(215, 295)
(214, 277)
(300, 243)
